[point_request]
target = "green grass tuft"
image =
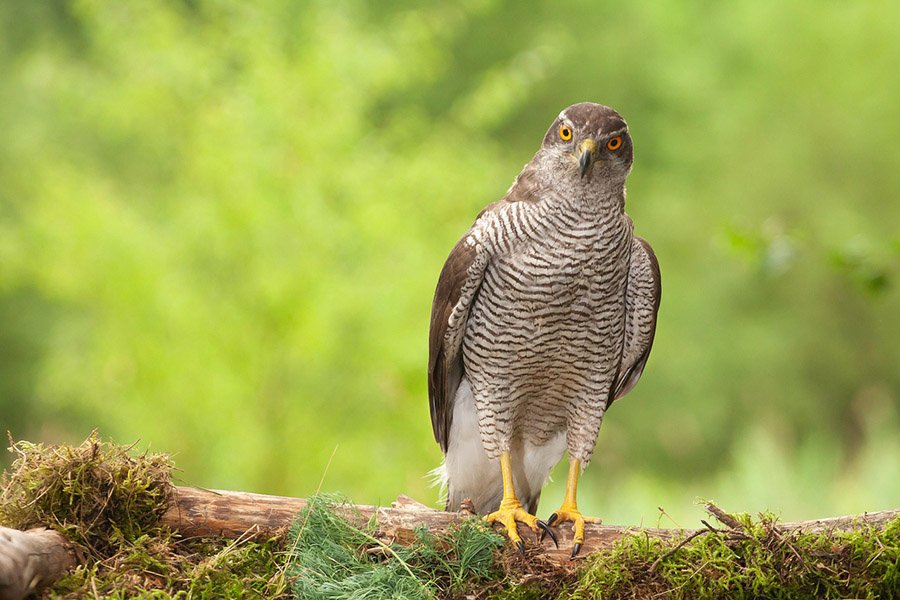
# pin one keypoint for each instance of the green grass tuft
(333, 559)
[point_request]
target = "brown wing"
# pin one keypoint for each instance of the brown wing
(641, 306)
(456, 291)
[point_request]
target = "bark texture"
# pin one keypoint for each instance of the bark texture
(33, 559)
(200, 512)
(30, 560)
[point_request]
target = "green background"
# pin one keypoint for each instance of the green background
(221, 224)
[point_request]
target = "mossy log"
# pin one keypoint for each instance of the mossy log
(110, 504)
(30, 560)
(201, 512)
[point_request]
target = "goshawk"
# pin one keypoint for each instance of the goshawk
(544, 314)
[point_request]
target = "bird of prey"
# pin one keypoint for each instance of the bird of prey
(544, 314)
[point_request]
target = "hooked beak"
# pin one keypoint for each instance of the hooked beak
(587, 151)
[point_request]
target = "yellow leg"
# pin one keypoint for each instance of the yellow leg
(569, 509)
(511, 510)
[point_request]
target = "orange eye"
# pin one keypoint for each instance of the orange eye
(614, 143)
(565, 133)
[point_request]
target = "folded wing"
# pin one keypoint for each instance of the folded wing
(641, 305)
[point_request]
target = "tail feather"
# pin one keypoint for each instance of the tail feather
(468, 472)
(486, 498)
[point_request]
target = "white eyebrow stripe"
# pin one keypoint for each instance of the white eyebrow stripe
(620, 131)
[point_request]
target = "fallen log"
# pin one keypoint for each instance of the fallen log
(31, 560)
(39, 490)
(197, 512)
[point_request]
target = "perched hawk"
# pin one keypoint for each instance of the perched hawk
(544, 314)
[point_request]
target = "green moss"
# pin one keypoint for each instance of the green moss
(96, 494)
(531, 590)
(166, 568)
(108, 503)
(757, 560)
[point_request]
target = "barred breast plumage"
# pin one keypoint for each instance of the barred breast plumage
(543, 315)
(544, 333)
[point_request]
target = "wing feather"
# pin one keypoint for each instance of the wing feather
(457, 289)
(641, 307)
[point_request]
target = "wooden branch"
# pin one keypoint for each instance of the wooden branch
(33, 559)
(30, 560)
(201, 512)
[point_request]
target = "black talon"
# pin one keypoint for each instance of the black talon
(552, 518)
(545, 530)
(576, 549)
(521, 546)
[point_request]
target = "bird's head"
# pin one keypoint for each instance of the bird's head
(590, 142)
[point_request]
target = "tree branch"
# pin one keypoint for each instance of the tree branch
(30, 560)
(201, 512)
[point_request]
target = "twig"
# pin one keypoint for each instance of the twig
(282, 571)
(663, 513)
(724, 517)
(696, 534)
(777, 533)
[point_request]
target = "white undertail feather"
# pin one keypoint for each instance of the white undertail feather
(437, 477)
(468, 472)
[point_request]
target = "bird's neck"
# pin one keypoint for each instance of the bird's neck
(601, 203)
(593, 197)
(590, 204)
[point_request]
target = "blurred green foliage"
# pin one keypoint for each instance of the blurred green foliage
(221, 224)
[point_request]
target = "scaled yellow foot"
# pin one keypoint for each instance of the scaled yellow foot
(570, 512)
(511, 510)
(569, 509)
